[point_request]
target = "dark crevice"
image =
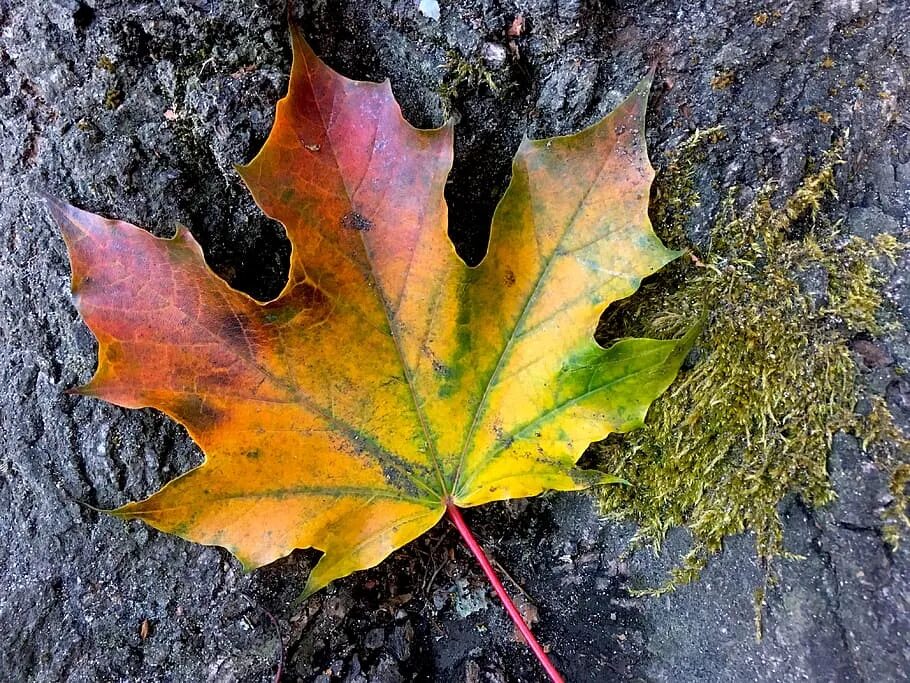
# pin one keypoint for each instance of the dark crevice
(832, 594)
(83, 16)
(859, 528)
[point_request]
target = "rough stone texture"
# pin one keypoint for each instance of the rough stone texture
(140, 109)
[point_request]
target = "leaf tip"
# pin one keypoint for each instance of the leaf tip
(687, 341)
(93, 388)
(91, 507)
(308, 590)
(247, 565)
(81, 390)
(588, 478)
(300, 47)
(671, 255)
(123, 512)
(643, 87)
(183, 234)
(61, 212)
(683, 345)
(241, 170)
(50, 200)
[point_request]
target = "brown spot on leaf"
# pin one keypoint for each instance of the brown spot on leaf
(504, 439)
(355, 221)
(304, 300)
(509, 277)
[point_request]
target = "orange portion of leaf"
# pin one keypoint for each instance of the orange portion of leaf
(387, 378)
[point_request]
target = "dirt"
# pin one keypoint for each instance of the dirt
(139, 110)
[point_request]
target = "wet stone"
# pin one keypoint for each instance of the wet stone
(196, 85)
(374, 638)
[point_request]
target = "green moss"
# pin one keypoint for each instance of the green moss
(751, 421)
(106, 63)
(855, 292)
(723, 79)
(675, 194)
(891, 450)
(462, 74)
(113, 98)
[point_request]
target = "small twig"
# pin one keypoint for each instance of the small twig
(280, 670)
(426, 584)
(515, 583)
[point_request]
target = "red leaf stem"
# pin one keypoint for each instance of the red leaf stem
(465, 531)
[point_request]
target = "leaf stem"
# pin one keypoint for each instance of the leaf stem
(471, 542)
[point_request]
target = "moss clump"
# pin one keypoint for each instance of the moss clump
(106, 63)
(113, 98)
(676, 193)
(891, 449)
(462, 74)
(723, 79)
(751, 422)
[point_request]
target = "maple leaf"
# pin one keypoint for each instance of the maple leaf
(388, 381)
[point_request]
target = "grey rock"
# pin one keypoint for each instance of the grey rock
(859, 483)
(400, 642)
(494, 54)
(385, 672)
(374, 638)
(140, 110)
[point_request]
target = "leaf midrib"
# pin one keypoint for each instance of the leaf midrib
(430, 443)
(574, 400)
(532, 298)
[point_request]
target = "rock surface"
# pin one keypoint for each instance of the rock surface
(139, 110)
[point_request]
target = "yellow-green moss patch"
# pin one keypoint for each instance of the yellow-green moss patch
(780, 292)
(463, 75)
